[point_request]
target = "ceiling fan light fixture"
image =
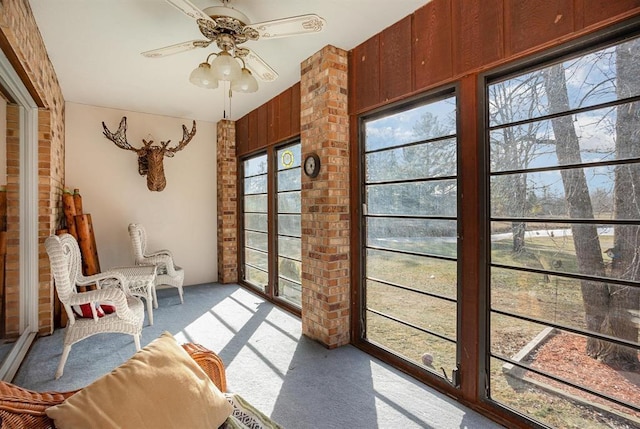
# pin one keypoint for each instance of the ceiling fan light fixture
(246, 83)
(203, 76)
(225, 67)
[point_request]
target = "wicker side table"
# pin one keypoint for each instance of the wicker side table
(141, 281)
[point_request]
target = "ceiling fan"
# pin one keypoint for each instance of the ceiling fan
(229, 28)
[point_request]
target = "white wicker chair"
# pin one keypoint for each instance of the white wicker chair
(167, 272)
(64, 256)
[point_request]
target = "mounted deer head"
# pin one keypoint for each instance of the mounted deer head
(150, 157)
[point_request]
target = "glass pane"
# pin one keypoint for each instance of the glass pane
(433, 159)
(289, 269)
(533, 145)
(255, 166)
(417, 272)
(437, 198)
(602, 240)
(544, 194)
(428, 236)
(289, 225)
(289, 157)
(256, 259)
(255, 276)
(255, 203)
(290, 291)
(432, 120)
(588, 81)
(255, 207)
(416, 150)
(550, 298)
(289, 247)
(289, 180)
(256, 240)
(419, 347)
(289, 202)
(255, 222)
(553, 248)
(561, 354)
(426, 312)
(255, 185)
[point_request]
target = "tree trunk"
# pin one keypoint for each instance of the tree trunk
(595, 295)
(520, 207)
(626, 261)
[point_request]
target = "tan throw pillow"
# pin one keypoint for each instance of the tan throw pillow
(161, 386)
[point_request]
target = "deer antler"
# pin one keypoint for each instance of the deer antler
(120, 136)
(186, 138)
(150, 156)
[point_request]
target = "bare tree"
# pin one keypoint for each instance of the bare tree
(606, 305)
(514, 148)
(626, 262)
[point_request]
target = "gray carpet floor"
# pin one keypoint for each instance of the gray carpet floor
(291, 378)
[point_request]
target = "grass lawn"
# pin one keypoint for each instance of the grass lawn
(549, 298)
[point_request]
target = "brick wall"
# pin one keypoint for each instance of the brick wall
(22, 43)
(12, 261)
(324, 125)
(227, 179)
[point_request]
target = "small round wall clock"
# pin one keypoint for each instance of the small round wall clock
(312, 165)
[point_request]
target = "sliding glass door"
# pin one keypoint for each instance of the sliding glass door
(18, 294)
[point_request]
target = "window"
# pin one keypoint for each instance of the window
(410, 279)
(255, 226)
(271, 249)
(564, 225)
(289, 232)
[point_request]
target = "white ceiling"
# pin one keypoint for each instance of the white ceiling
(95, 47)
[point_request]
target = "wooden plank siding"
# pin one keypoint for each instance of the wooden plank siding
(439, 43)
(528, 24)
(477, 25)
(432, 42)
(275, 121)
(455, 38)
(395, 60)
(365, 67)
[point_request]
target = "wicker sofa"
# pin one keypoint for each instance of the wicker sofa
(22, 408)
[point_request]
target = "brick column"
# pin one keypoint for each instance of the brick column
(12, 262)
(227, 179)
(324, 125)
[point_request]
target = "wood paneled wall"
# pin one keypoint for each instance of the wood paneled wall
(439, 43)
(448, 39)
(273, 122)
(443, 42)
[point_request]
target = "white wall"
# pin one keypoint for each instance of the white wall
(181, 218)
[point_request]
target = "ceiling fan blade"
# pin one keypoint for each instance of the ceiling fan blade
(189, 9)
(291, 26)
(177, 48)
(259, 67)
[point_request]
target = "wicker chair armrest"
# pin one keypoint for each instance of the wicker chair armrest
(210, 363)
(162, 260)
(111, 277)
(98, 295)
(114, 296)
(23, 408)
(160, 252)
